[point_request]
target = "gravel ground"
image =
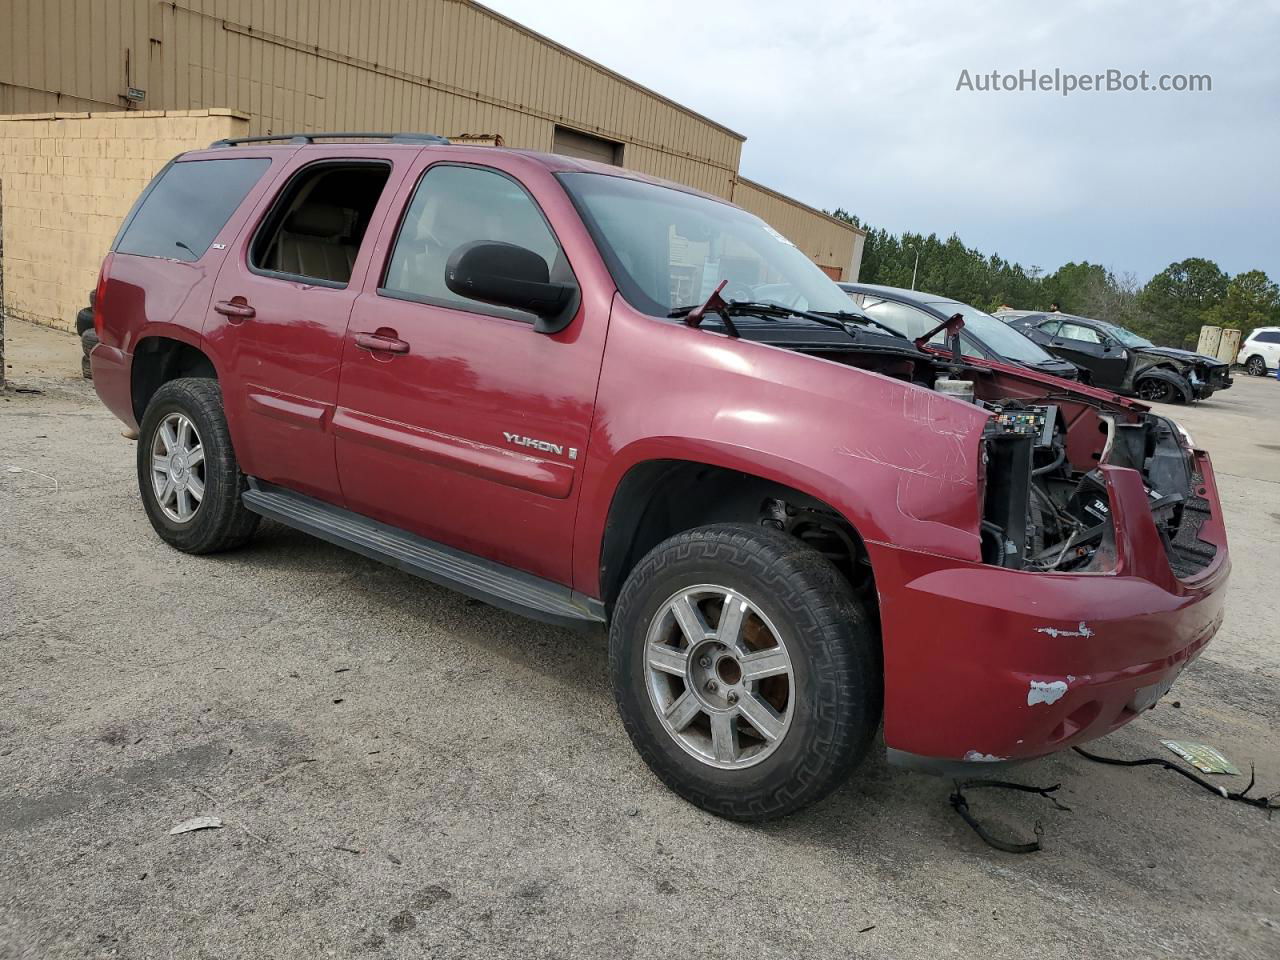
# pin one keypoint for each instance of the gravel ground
(403, 772)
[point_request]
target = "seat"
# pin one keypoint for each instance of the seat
(315, 242)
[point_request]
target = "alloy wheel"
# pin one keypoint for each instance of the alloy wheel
(719, 676)
(1257, 367)
(1152, 390)
(177, 467)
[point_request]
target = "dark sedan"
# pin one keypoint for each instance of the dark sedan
(1121, 360)
(914, 313)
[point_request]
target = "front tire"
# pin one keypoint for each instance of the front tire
(187, 471)
(747, 675)
(1155, 390)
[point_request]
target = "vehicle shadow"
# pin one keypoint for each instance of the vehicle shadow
(897, 823)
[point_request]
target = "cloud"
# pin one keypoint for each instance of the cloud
(855, 105)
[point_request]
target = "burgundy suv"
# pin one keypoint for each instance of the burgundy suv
(595, 398)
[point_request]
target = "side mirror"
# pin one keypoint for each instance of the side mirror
(508, 275)
(1106, 346)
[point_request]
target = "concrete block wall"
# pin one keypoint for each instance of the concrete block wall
(68, 179)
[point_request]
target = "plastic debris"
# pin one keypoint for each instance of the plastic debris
(197, 823)
(1203, 757)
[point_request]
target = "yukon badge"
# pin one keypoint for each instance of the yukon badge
(543, 445)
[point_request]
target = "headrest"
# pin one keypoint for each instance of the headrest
(317, 220)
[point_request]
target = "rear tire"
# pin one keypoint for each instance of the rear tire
(187, 471)
(1256, 366)
(797, 657)
(88, 340)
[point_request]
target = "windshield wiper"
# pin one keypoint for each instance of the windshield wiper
(846, 321)
(863, 318)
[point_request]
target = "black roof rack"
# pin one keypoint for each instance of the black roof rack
(313, 137)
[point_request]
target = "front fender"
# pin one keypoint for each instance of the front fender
(1178, 381)
(899, 462)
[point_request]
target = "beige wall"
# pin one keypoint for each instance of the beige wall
(832, 244)
(443, 66)
(69, 179)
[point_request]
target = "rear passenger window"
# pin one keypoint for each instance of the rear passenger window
(314, 230)
(181, 214)
(454, 205)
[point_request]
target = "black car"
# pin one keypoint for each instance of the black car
(914, 314)
(1120, 360)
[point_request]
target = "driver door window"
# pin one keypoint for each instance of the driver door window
(1080, 334)
(453, 206)
(908, 321)
(914, 323)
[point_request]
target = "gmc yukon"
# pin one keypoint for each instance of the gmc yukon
(570, 390)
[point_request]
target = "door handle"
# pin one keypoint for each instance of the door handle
(1058, 343)
(236, 307)
(383, 342)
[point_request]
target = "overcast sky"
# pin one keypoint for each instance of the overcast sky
(854, 104)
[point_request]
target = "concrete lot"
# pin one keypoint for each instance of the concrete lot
(405, 773)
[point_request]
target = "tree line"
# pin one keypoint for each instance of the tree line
(1168, 309)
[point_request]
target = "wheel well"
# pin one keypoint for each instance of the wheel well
(156, 361)
(661, 498)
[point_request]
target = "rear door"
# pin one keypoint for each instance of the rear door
(456, 420)
(1268, 344)
(280, 307)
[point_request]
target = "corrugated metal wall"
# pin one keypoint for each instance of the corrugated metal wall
(446, 66)
(830, 243)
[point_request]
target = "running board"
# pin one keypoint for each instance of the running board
(482, 579)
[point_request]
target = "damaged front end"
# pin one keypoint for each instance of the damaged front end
(1102, 574)
(1043, 512)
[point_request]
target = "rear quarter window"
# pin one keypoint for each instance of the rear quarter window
(186, 205)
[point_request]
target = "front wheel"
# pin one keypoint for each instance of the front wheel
(1155, 390)
(747, 675)
(187, 471)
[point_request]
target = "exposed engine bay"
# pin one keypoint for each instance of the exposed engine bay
(1045, 503)
(1043, 512)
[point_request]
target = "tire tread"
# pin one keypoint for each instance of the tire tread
(226, 522)
(844, 662)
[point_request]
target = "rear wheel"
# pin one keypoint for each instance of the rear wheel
(747, 675)
(1256, 366)
(187, 471)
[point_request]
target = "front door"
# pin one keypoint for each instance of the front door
(279, 313)
(457, 420)
(1106, 360)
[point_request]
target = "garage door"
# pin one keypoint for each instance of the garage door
(571, 143)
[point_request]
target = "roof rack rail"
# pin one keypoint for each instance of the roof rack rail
(313, 137)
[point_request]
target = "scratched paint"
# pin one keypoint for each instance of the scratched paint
(1046, 691)
(1081, 631)
(973, 756)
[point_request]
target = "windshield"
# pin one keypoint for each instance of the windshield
(669, 249)
(1127, 337)
(998, 337)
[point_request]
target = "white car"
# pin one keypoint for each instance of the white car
(1261, 351)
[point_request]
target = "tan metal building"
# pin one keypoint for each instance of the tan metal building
(445, 66)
